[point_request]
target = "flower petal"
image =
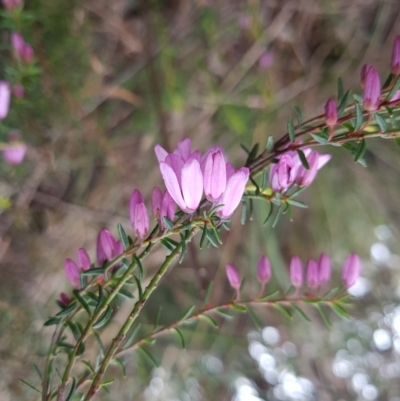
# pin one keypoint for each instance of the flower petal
(172, 184)
(192, 185)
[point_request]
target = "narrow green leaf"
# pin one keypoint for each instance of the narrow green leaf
(208, 292)
(271, 209)
(359, 117)
(181, 338)
(120, 364)
(37, 370)
(123, 236)
(290, 291)
(243, 216)
(256, 185)
(106, 383)
(168, 223)
(343, 103)
(88, 366)
(67, 346)
(340, 89)
(211, 238)
(187, 313)
(103, 319)
(301, 312)
(100, 343)
(245, 149)
(203, 236)
(139, 265)
(225, 314)
(270, 144)
(149, 356)
(67, 310)
(31, 386)
(210, 320)
(132, 336)
(100, 299)
(297, 203)
(160, 308)
(255, 318)
(381, 122)
(126, 293)
(290, 128)
(253, 153)
(323, 315)
(357, 98)
(238, 308)
(387, 82)
(96, 271)
(139, 286)
(361, 150)
(82, 301)
(265, 180)
(269, 296)
(395, 88)
(303, 159)
(277, 216)
(320, 139)
(214, 209)
(284, 310)
(74, 329)
(299, 115)
(339, 310)
(72, 390)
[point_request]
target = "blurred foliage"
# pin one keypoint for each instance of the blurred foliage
(113, 79)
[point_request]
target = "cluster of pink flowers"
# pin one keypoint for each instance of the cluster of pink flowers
(289, 170)
(22, 50)
(186, 175)
(318, 273)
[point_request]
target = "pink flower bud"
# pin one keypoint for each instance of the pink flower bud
(14, 152)
(263, 270)
(266, 60)
(312, 274)
(9, 5)
(72, 272)
(372, 89)
(214, 174)
(22, 50)
(331, 113)
(19, 91)
(156, 203)
(138, 215)
(83, 260)
(233, 276)
(296, 272)
(5, 95)
(351, 270)
(395, 65)
(107, 247)
(167, 208)
(64, 299)
(233, 193)
(324, 269)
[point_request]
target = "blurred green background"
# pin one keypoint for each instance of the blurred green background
(118, 77)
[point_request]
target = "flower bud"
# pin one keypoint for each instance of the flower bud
(5, 95)
(395, 65)
(22, 50)
(19, 91)
(72, 272)
(14, 152)
(263, 270)
(107, 247)
(156, 203)
(312, 274)
(372, 89)
(296, 272)
(331, 113)
(214, 174)
(324, 269)
(138, 215)
(83, 260)
(167, 208)
(233, 276)
(351, 270)
(64, 299)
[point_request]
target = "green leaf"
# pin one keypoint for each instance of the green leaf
(265, 180)
(100, 299)
(343, 103)
(290, 128)
(243, 216)
(203, 236)
(74, 329)
(323, 315)
(277, 216)
(297, 309)
(120, 364)
(72, 390)
(187, 313)
(238, 308)
(139, 286)
(290, 291)
(126, 293)
(359, 117)
(361, 150)
(387, 82)
(255, 318)
(340, 89)
(139, 265)
(149, 356)
(37, 370)
(253, 153)
(208, 292)
(210, 320)
(225, 314)
(395, 88)
(103, 319)
(269, 296)
(284, 310)
(297, 203)
(169, 244)
(132, 336)
(123, 236)
(299, 115)
(181, 338)
(96, 271)
(245, 149)
(82, 301)
(168, 223)
(106, 383)
(320, 139)
(303, 159)
(88, 366)
(270, 144)
(214, 209)
(157, 317)
(339, 310)
(67, 310)
(211, 238)
(100, 343)
(381, 122)
(31, 386)
(271, 209)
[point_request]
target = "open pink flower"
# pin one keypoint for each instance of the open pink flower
(5, 96)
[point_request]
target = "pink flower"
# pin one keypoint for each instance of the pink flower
(22, 50)
(331, 113)
(351, 270)
(266, 60)
(312, 274)
(235, 186)
(5, 95)
(296, 272)
(324, 269)
(83, 260)
(395, 65)
(107, 247)
(263, 270)
(72, 272)
(138, 215)
(233, 277)
(372, 89)
(14, 152)
(306, 177)
(214, 174)
(11, 4)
